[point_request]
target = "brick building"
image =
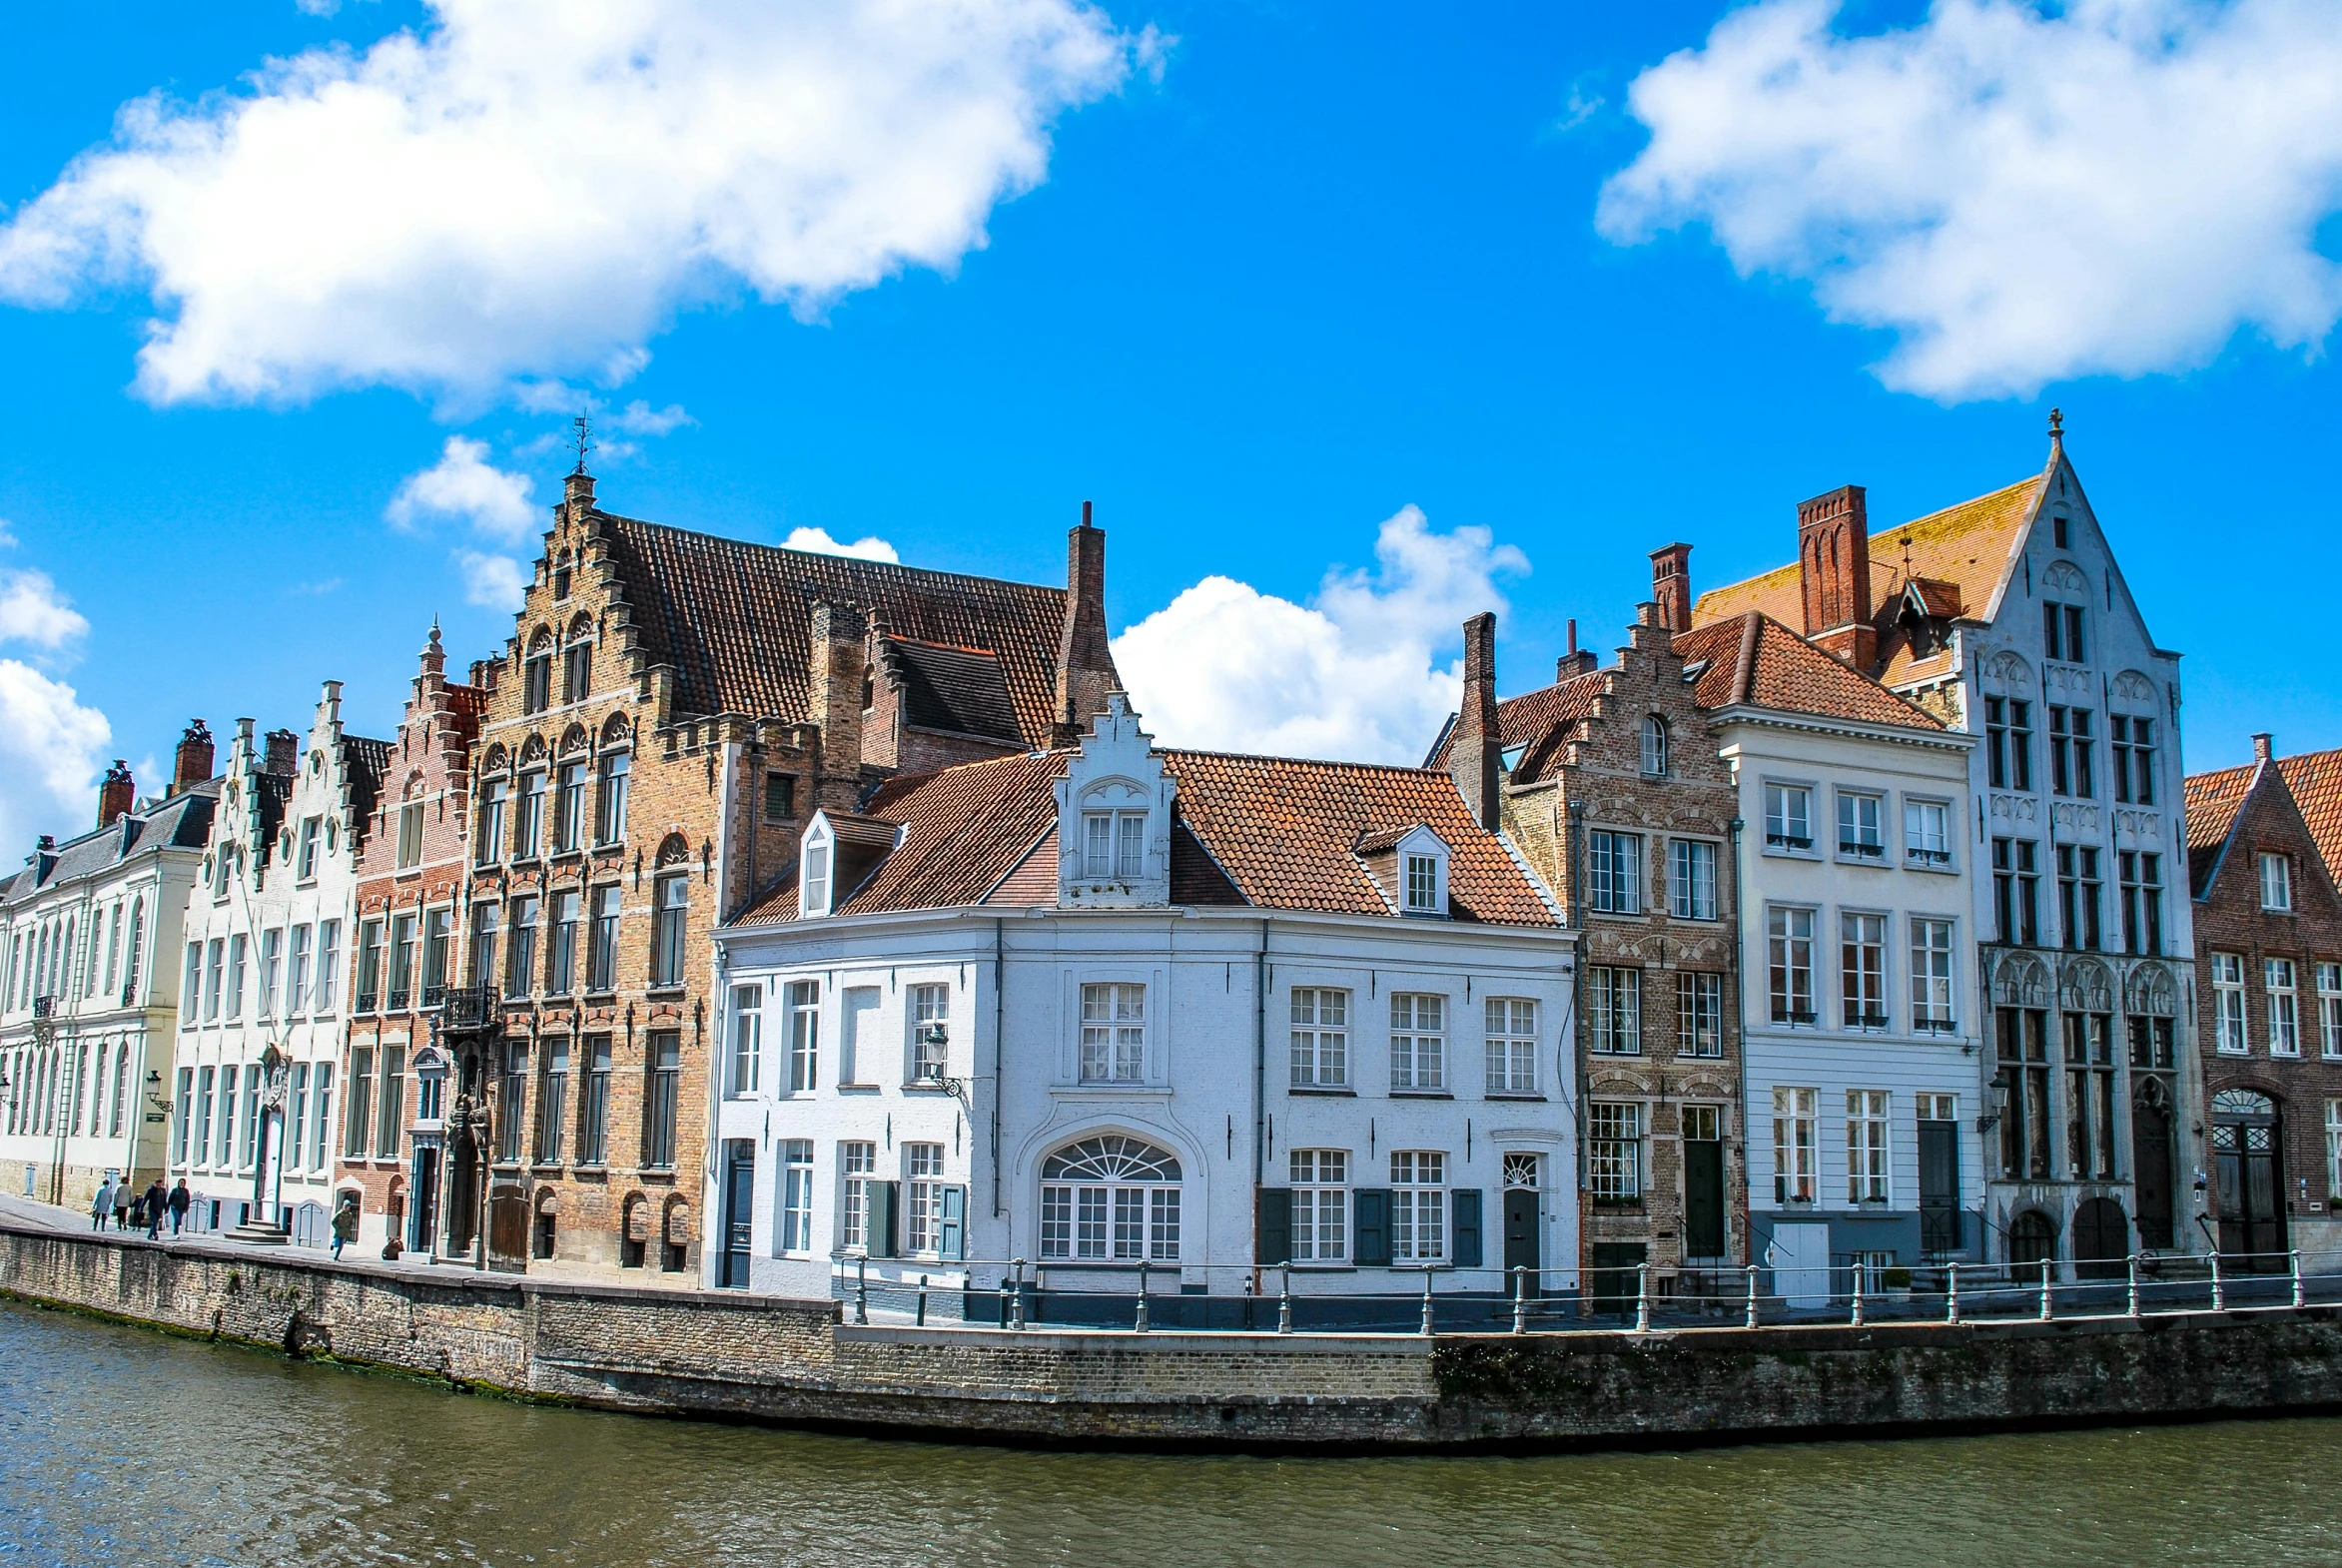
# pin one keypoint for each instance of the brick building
(398, 947)
(670, 712)
(1609, 784)
(2262, 842)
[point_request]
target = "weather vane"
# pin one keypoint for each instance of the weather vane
(584, 428)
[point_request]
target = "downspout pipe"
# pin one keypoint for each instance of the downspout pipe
(999, 1013)
(1260, 1082)
(1739, 1015)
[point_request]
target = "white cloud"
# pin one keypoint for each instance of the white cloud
(819, 542)
(1355, 675)
(497, 581)
(51, 752)
(2113, 187)
(532, 188)
(31, 610)
(464, 484)
(640, 418)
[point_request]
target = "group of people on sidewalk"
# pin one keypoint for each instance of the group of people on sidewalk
(131, 1210)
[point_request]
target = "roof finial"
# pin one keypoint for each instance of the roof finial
(435, 629)
(584, 428)
(2056, 427)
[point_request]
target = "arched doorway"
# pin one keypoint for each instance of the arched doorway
(2102, 1240)
(2032, 1239)
(2150, 1161)
(2245, 1174)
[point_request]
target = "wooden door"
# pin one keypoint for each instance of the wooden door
(1938, 1187)
(2150, 1165)
(1520, 1230)
(1703, 1198)
(739, 1215)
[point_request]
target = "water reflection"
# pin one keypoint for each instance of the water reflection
(118, 1446)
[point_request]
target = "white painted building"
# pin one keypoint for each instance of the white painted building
(89, 976)
(1861, 1034)
(266, 936)
(1234, 1018)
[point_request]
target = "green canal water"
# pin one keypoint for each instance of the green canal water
(121, 1446)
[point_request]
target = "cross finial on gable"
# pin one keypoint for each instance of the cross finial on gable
(2056, 427)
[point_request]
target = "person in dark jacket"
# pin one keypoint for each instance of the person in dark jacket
(154, 1197)
(181, 1198)
(345, 1222)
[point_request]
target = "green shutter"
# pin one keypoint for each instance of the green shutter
(1273, 1238)
(1371, 1225)
(955, 1209)
(1465, 1221)
(883, 1198)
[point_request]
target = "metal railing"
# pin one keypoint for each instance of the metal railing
(1150, 1295)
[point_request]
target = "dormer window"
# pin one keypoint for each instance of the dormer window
(1113, 845)
(1423, 884)
(817, 878)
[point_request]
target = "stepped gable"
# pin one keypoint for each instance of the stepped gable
(1754, 660)
(732, 619)
(1534, 721)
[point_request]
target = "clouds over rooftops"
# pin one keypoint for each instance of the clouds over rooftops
(51, 745)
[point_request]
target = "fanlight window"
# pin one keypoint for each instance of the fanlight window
(2242, 1102)
(1110, 1199)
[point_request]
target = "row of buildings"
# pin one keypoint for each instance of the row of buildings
(754, 911)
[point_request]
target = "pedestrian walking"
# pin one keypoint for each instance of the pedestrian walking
(181, 1198)
(345, 1222)
(122, 1198)
(155, 1199)
(102, 1204)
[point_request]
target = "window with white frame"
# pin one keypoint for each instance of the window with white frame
(1418, 1205)
(1691, 879)
(1795, 1113)
(1322, 1205)
(1866, 1145)
(1614, 1152)
(1113, 845)
(2278, 979)
(329, 963)
(1927, 835)
(1423, 885)
(796, 1194)
(1699, 1014)
(1861, 970)
(857, 1165)
(410, 834)
(747, 1036)
(1512, 1044)
(1654, 747)
(1789, 817)
(1111, 1197)
(1320, 1038)
(307, 865)
(272, 966)
(1789, 964)
(1614, 1009)
(817, 877)
(1113, 1032)
(923, 1173)
(1418, 1041)
(857, 1033)
(2330, 1010)
(931, 1015)
(1616, 862)
(1862, 832)
(1931, 976)
(803, 999)
(2333, 1148)
(2228, 1003)
(2276, 881)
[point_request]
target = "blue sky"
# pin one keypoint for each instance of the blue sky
(1255, 279)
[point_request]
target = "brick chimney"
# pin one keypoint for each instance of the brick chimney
(1670, 585)
(1833, 572)
(1474, 753)
(2263, 747)
(193, 764)
(834, 676)
(1577, 661)
(282, 757)
(117, 795)
(1085, 671)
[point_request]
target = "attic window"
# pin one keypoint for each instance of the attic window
(817, 877)
(2058, 534)
(1113, 845)
(1423, 884)
(1694, 670)
(1510, 757)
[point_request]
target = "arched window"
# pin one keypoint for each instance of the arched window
(1654, 747)
(1110, 1198)
(537, 691)
(138, 931)
(2032, 1239)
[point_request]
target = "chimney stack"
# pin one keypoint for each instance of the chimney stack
(1085, 671)
(193, 764)
(284, 754)
(1670, 585)
(117, 795)
(835, 666)
(2263, 747)
(1475, 753)
(1577, 661)
(1834, 573)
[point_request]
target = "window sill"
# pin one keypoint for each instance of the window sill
(1321, 1092)
(1945, 869)
(1422, 1094)
(1154, 1091)
(594, 1170)
(926, 1088)
(674, 988)
(856, 1089)
(1616, 1055)
(1789, 852)
(1514, 1095)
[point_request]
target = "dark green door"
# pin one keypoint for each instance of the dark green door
(1520, 1229)
(1703, 1198)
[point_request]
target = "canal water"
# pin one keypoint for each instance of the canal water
(123, 1446)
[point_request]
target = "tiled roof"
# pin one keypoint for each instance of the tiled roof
(733, 618)
(1540, 721)
(2213, 803)
(1269, 832)
(952, 688)
(2315, 778)
(364, 764)
(1755, 660)
(1962, 553)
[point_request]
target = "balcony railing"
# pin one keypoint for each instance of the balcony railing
(369, 1000)
(469, 1007)
(433, 996)
(400, 997)
(44, 1007)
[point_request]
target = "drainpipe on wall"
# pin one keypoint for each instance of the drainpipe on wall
(1571, 843)
(1740, 1013)
(999, 1004)
(1259, 1089)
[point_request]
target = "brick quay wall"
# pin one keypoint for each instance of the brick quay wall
(724, 1355)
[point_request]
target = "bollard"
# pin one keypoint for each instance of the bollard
(1642, 1298)
(2132, 1310)
(1426, 1300)
(1284, 1301)
(1003, 1301)
(2295, 1255)
(1951, 1293)
(2044, 1290)
(1139, 1324)
(1520, 1299)
(1016, 1296)
(1752, 1321)
(862, 1289)
(1858, 1296)
(922, 1320)
(2219, 1296)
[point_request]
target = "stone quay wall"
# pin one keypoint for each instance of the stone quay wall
(725, 1355)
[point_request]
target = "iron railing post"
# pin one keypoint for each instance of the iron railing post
(1857, 1294)
(1139, 1323)
(1642, 1298)
(1520, 1299)
(1016, 1297)
(922, 1319)
(2294, 1257)
(2131, 1309)
(862, 1289)
(2044, 1290)
(1752, 1317)
(1284, 1301)
(1951, 1291)
(2219, 1296)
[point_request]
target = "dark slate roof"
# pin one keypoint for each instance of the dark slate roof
(181, 822)
(951, 689)
(733, 619)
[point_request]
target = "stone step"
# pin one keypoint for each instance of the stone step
(259, 1232)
